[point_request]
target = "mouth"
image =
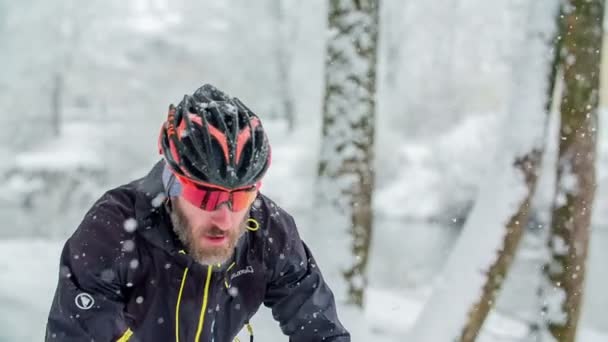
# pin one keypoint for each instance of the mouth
(216, 240)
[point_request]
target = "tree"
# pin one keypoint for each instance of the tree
(56, 97)
(284, 33)
(345, 173)
(580, 41)
(475, 271)
(529, 165)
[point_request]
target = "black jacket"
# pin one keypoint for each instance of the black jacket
(125, 277)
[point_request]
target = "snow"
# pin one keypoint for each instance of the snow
(559, 246)
(437, 124)
(152, 17)
(63, 153)
(554, 298)
(446, 174)
(388, 313)
(459, 286)
(466, 269)
(399, 288)
(27, 287)
(393, 302)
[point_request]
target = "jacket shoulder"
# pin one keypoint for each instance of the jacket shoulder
(105, 237)
(279, 234)
(275, 222)
(108, 216)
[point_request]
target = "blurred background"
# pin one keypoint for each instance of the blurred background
(85, 86)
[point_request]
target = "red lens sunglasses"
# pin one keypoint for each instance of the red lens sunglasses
(209, 198)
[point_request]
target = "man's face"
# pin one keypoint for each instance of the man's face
(209, 236)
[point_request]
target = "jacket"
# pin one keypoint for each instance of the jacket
(124, 276)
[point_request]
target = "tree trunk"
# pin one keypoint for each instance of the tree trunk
(56, 96)
(346, 162)
(580, 31)
(529, 166)
(283, 56)
(478, 264)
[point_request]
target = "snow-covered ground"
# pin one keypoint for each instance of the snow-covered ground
(29, 269)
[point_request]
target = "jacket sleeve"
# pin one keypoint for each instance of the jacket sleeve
(301, 301)
(89, 299)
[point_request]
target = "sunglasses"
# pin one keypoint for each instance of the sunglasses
(210, 199)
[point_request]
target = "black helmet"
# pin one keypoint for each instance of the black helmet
(213, 140)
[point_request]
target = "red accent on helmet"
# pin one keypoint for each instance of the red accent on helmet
(244, 136)
(218, 141)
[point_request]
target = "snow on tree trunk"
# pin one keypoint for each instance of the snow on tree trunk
(529, 166)
(345, 174)
(467, 288)
(580, 30)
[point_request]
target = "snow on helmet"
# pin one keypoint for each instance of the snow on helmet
(214, 141)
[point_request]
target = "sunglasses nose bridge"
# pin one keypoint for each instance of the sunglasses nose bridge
(226, 203)
(223, 199)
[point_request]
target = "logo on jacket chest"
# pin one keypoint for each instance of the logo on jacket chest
(248, 269)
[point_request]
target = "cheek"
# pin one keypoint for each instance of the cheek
(198, 223)
(193, 217)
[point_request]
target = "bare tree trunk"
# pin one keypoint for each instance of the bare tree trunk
(283, 56)
(56, 97)
(580, 28)
(346, 164)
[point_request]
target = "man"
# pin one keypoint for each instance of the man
(191, 251)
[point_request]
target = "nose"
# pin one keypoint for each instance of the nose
(222, 217)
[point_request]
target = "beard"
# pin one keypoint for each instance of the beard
(206, 255)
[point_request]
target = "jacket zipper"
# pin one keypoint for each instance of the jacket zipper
(201, 319)
(179, 299)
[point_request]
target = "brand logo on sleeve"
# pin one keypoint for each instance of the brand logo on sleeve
(84, 301)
